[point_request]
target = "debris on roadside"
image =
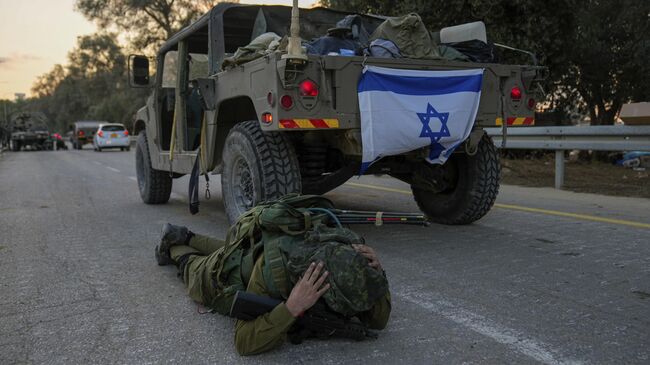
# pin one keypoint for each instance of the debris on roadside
(638, 160)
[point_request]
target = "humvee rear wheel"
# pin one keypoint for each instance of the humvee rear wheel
(257, 166)
(473, 191)
(155, 186)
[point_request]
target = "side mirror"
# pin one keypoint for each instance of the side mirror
(138, 71)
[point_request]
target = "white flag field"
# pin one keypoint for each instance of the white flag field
(403, 110)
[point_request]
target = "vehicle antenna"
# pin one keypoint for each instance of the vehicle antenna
(295, 52)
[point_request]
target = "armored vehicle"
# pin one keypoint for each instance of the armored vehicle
(83, 132)
(287, 121)
(28, 130)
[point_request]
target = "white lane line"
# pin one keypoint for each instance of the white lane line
(112, 169)
(517, 341)
(133, 178)
(97, 163)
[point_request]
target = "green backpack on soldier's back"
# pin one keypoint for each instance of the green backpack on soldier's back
(292, 232)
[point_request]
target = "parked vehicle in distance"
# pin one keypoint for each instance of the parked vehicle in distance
(55, 139)
(112, 135)
(28, 130)
(83, 132)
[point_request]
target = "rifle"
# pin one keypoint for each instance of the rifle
(340, 216)
(319, 321)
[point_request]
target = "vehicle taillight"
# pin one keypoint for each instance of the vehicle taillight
(81, 133)
(286, 101)
(308, 88)
(126, 133)
(531, 103)
(267, 118)
(515, 93)
(101, 134)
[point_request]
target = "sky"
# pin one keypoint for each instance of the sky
(35, 35)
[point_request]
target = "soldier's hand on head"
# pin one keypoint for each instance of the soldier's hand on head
(308, 289)
(370, 254)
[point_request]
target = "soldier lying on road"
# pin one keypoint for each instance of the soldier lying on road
(327, 265)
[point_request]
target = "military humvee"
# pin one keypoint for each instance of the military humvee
(28, 130)
(83, 132)
(246, 138)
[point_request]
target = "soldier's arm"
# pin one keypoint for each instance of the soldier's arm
(267, 331)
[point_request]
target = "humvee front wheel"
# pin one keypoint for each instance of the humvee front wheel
(155, 186)
(474, 187)
(257, 166)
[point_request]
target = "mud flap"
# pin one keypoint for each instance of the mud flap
(193, 191)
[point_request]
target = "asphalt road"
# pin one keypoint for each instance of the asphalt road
(546, 277)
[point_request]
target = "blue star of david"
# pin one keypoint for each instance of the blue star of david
(425, 118)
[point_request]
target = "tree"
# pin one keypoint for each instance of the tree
(47, 83)
(597, 51)
(146, 22)
(91, 86)
(609, 55)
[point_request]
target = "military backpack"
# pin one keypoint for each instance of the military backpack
(290, 233)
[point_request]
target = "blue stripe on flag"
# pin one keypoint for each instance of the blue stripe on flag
(414, 85)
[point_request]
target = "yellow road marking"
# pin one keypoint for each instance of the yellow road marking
(525, 209)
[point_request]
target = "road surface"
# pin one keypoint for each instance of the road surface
(546, 277)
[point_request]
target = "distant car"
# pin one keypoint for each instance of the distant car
(111, 136)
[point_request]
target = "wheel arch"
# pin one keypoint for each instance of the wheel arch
(230, 113)
(139, 126)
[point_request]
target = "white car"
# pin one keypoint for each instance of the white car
(112, 135)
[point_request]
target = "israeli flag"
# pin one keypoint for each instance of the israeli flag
(403, 110)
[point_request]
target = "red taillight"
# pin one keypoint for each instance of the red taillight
(531, 103)
(515, 93)
(308, 88)
(126, 133)
(101, 134)
(81, 133)
(286, 101)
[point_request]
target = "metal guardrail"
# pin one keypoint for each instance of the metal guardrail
(560, 139)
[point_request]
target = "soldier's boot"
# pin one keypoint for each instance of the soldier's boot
(171, 235)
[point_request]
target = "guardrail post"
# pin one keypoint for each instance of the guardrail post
(559, 169)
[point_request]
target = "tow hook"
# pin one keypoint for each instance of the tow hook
(471, 145)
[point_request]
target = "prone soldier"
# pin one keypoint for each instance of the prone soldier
(325, 281)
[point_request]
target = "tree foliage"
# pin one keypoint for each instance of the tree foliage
(91, 86)
(93, 83)
(147, 23)
(597, 51)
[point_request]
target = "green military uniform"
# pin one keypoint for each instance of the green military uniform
(200, 257)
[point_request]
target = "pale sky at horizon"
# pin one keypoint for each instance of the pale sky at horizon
(35, 35)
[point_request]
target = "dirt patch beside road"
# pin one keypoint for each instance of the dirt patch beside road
(593, 177)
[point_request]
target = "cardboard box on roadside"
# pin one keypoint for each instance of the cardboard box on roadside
(636, 113)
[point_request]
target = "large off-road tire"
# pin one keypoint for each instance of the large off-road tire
(257, 166)
(155, 186)
(475, 187)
